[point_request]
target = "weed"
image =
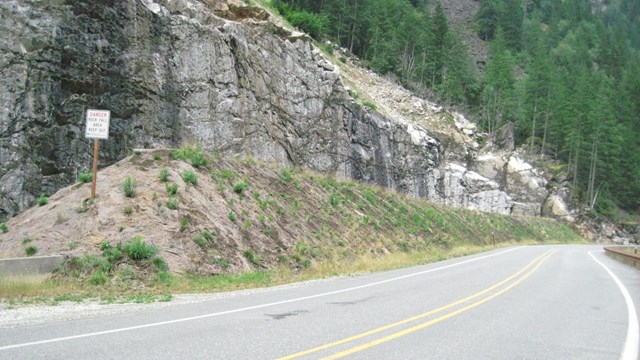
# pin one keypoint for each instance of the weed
(252, 257)
(222, 262)
(164, 174)
(246, 224)
(227, 174)
(192, 154)
(82, 208)
(111, 253)
(240, 187)
(137, 152)
(204, 238)
(369, 104)
(172, 203)
(335, 199)
(200, 241)
(164, 276)
(26, 240)
(98, 278)
(157, 157)
(138, 249)
(184, 222)
(198, 160)
(232, 216)
(30, 250)
(42, 200)
(128, 210)
(126, 272)
(172, 189)
(73, 245)
(85, 177)
(286, 175)
(166, 298)
(160, 264)
(129, 187)
(190, 177)
(4, 228)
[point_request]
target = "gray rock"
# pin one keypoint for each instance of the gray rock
(172, 72)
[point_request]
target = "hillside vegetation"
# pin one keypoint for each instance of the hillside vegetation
(564, 72)
(182, 220)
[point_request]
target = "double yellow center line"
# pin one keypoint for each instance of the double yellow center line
(512, 281)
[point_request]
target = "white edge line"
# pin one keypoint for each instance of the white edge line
(97, 333)
(630, 349)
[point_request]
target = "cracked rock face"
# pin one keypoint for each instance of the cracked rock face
(175, 73)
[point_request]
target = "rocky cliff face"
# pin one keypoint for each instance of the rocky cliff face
(176, 72)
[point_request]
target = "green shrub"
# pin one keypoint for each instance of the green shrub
(129, 187)
(73, 245)
(204, 238)
(252, 257)
(370, 105)
(164, 174)
(98, 278)
(286, 175)
(128, 210)
(4, 228)
(160, 264)
(85, 177)
(184, 222)
(200, 241)
(157, 157)
(199, 160)
(240, 187)
(42, 200)
(232, 216)
(138, 249)
(172, 203)
(26, 240)
(111, 253)
(222, 262)
(30, 250)
(227, 174)
(190, 177)
(172, 189)
(207, 234)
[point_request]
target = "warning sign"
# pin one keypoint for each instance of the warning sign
(97, 126)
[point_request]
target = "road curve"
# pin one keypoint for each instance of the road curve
(538, 302)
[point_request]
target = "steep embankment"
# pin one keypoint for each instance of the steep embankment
(242, 215)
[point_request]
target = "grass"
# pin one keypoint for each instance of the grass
(240, 187)
(42, 200)
(128, 210)
(129, 187)
(164, 174)
(184, 223)
(172, 189)
(172, 203)
(30, 250)
(138, 249)
(201, 241)
(190, 177)
(4, 228)
(85, 177)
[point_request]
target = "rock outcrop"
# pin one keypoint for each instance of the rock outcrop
(176, 72)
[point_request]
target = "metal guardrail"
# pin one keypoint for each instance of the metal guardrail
(627, 254)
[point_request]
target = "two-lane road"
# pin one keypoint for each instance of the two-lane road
(542, 302)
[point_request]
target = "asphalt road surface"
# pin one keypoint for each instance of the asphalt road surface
(539, 302)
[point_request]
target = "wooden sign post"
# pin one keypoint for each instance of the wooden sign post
(97, 127)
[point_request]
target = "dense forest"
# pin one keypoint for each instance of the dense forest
(566, 73)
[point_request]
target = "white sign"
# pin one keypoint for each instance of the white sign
(97, 126)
